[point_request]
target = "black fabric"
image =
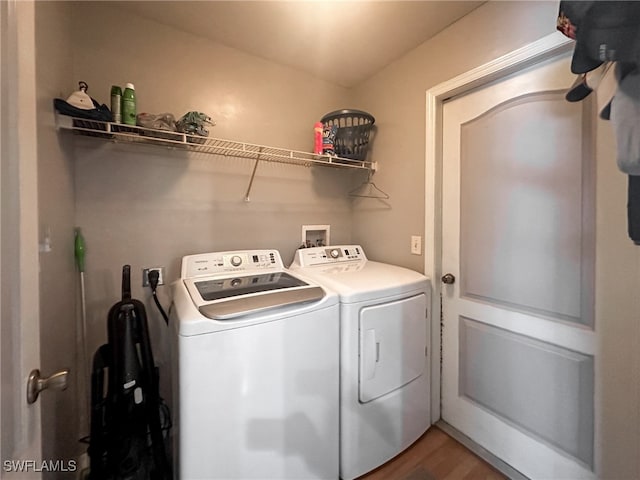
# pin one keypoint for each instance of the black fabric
(633, 208)
(100, 112)
(605, 114)
(579, 90)
(603, 30)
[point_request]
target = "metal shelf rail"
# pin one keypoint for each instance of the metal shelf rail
(118, 132)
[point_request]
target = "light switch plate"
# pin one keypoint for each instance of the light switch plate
(416, 244)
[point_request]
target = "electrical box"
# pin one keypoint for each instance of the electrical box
(316, 235)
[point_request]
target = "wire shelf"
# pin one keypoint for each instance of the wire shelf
(214, 146)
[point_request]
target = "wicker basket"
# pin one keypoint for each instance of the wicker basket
(354, 130)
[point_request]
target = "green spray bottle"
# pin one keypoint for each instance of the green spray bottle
(129, 105)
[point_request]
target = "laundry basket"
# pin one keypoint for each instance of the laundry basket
(354, 130)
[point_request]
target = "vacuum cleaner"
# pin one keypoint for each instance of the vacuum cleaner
(126, 437)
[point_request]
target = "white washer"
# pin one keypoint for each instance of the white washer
(256, 356)
(384, 362)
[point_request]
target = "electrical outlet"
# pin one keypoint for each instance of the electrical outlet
(416, 244)
(145, 275)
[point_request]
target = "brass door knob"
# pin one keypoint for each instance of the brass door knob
(37, 383)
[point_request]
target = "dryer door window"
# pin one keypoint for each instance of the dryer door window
(392, 346)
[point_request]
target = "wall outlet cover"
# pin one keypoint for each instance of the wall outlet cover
(145, 275)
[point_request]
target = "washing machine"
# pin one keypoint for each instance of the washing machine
(255, 350)
(384, 359)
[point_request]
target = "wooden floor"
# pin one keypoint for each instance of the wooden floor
(435, 456)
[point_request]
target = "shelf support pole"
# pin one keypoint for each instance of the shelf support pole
(253, 174)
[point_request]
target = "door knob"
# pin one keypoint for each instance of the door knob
(36, 384)
(449, 279)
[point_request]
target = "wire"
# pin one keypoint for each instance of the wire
(164, 315)
(154, 277)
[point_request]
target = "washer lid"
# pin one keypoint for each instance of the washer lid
(248, 305)
(217, 288)
(225, 298)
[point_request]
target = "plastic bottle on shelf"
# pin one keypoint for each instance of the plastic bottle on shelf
(116, 104)
(317, 129)
(129, 105)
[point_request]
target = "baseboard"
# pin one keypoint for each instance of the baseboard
(484, 454)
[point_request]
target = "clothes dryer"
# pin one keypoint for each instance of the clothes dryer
(256, 357)
(384, 360)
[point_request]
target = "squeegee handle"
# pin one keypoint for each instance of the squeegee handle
(79, 248)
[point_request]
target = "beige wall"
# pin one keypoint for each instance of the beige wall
(396, 96)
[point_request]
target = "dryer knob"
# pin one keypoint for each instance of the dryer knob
(236, 260)
(335, 253)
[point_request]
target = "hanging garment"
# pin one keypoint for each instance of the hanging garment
(603, 31)
(625, 119)
(609, 32)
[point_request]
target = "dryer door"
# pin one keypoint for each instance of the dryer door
(392, 345)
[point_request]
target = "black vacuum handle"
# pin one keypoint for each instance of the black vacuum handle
(126, 282)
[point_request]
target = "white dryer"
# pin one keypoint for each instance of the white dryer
(256, 356)
(384, 361)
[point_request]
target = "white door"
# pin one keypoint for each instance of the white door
(19, 336)
(518, 243)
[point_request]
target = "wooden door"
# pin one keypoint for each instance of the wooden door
(518, 247)
(20, 335)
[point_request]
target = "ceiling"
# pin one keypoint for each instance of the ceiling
(341, 41)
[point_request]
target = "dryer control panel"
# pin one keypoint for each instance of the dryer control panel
(238, 261)
(308, 257)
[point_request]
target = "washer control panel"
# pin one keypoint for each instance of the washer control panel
(239, 261)
(307, 257)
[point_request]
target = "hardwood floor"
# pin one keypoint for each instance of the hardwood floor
(435, 456)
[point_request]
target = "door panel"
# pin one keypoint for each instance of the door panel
(507, 176)
(544, 390)
(518, 339)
